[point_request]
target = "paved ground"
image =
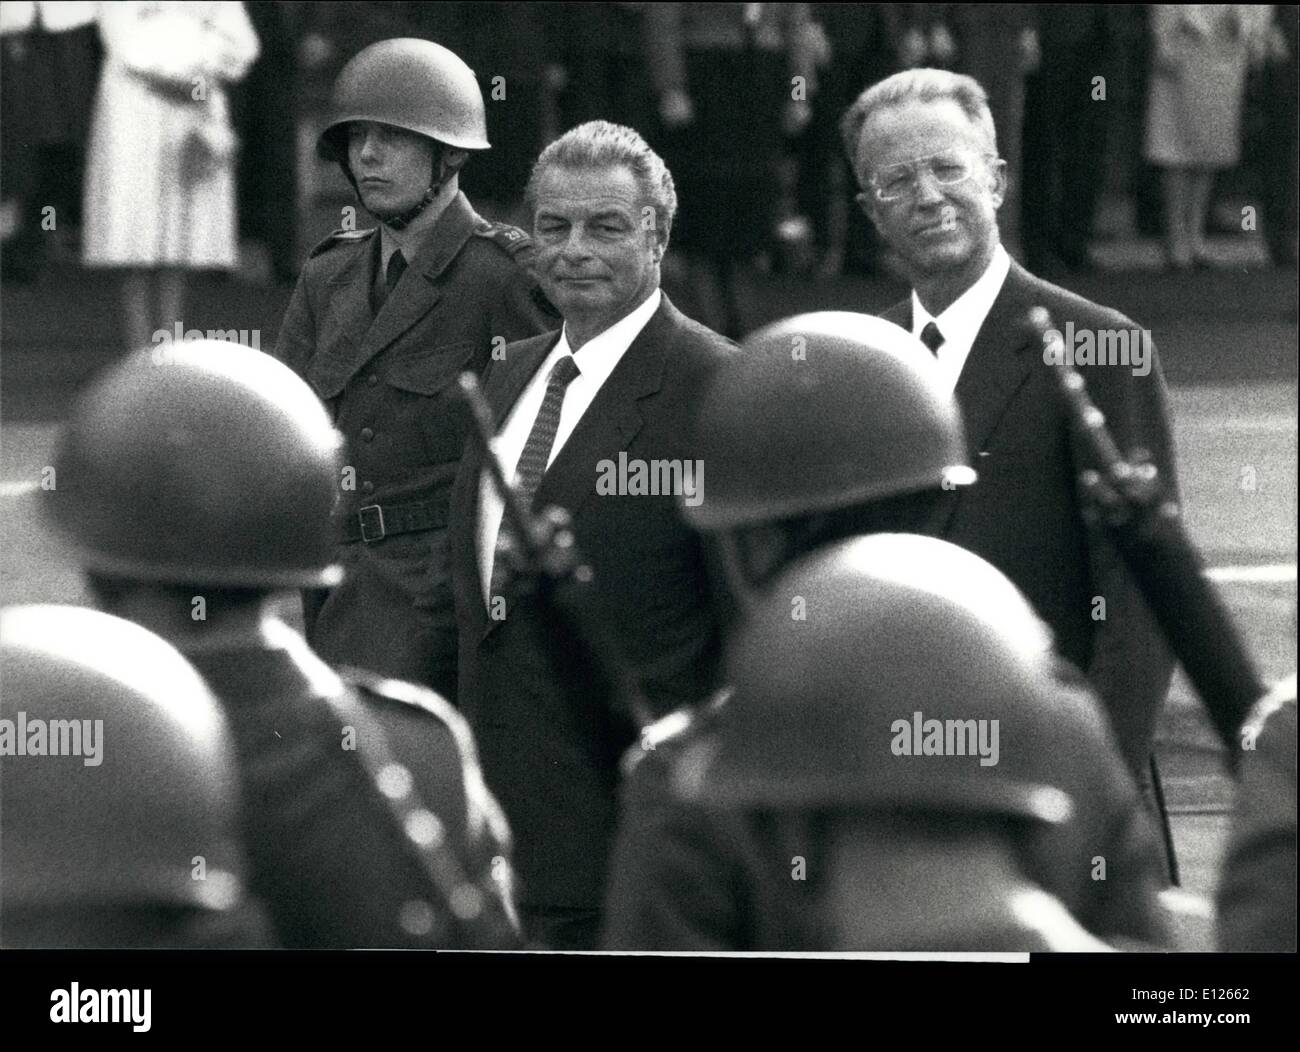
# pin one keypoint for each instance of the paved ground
(1229, 344)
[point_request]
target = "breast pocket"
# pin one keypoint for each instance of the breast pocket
(429, 372)
(420, 387)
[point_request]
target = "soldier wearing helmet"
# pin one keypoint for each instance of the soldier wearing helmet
(827, 427)
(121, 822)
(195, 482)
(381, 323)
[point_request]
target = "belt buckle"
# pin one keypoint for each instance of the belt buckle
(378, 514)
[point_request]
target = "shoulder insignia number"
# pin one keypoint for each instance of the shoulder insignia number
(509, 239)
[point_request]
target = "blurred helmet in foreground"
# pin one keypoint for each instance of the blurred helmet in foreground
(200, 462)
(819, 412)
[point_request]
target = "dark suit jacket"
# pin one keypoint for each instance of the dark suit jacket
(1023, 515)
(551, 752)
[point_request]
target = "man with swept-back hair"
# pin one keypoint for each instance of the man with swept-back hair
(924, 149)
(610, 388)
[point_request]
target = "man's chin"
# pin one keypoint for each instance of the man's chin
(384, 210)
(930, 259)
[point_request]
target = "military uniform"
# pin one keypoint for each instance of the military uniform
(363, 812)
(736, 820)
(335, 852)
(388, 378)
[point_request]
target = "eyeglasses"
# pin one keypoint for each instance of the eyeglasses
(949, 168)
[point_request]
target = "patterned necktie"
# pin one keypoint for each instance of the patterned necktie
(932, 337)
(533, 460)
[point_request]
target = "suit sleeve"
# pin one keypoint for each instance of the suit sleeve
(1131, 665)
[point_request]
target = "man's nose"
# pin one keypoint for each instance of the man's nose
(575, 245)
(928, 189)
(370, 144)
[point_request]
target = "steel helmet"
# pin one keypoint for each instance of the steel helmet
(852, 658)
(135, 777)
(200, 463)
(823, 411)
(408, 83)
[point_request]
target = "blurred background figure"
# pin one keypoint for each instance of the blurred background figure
(51, 57)
(514, 51)
(1064, 137)
(606, 63)
(733, 82)
(1194, 109)
(1271, 150)
(264, 111)
(1257, 891)
(160, 179)
(999, 45)
(860, 49)
(132, 841)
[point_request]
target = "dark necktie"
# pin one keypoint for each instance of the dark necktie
(396, 268)
(532, 461)
(932, 337)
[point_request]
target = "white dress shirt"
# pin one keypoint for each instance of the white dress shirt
(596, 360)
(961, 322)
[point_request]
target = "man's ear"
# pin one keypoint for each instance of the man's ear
(998, 181)
(660, 243)
(452, 162)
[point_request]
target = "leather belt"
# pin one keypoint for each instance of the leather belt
(374, 522)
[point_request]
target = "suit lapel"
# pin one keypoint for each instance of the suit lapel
(613, 418)
(506, 380)
(415, 296)
(503, 383)
(997, 365)
(610, 423)
(995, 370)
(900, 314)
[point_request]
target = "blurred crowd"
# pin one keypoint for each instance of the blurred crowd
(742, 100)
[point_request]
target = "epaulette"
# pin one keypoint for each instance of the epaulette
(510, 239)
(399, 692)
(339, 237)
(483, 813)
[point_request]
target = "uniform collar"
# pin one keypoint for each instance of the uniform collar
(432, 248)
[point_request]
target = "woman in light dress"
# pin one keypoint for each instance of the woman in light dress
(160, 178)
(1194, 102)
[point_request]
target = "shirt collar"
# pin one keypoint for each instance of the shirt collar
(598, 356)
(453, 224)
(967, 312)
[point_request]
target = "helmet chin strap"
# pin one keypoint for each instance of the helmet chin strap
(401, 220)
